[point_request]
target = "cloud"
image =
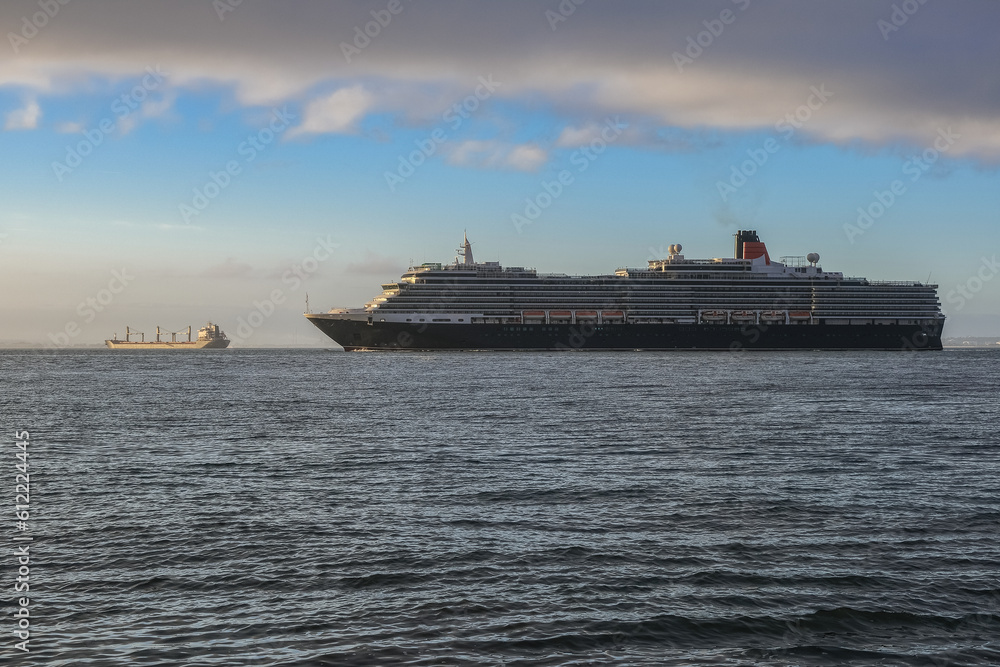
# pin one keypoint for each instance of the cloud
(24, 119)
(338, 112)
(183, 229)
(607, 58)
(163, 226)
(70, 128)
(491, 154)
(526, 157)
(645, 134)
(572, 137)
(373, 263)
(230, 268)
(153, 107)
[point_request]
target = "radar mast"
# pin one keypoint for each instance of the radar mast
(466, 250)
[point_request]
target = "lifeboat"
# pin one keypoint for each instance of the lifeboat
(744, 316)
(799, 315)
(560, 314)
(772, 315)
(612, 315)
(533, 314)
(714, 316)
(586, 315)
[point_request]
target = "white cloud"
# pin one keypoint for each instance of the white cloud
(491, 154)
(526, 157)
(571, 137)
(70, 128)
(153, 107)
(156, 107)
(24, 119)
(466, 152)
(338, 112)
(127, 124)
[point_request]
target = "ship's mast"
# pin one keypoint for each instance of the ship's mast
(466, 250)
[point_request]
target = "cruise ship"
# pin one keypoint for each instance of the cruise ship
(210, 336)
(747, 301)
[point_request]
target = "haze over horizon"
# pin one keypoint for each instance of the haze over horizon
(168, 164)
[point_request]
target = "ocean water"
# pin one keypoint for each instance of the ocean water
(310, 507)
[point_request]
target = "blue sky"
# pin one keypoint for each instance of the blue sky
(495, 101)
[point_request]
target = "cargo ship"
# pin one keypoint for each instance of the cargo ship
(747, 301)
(210, 336)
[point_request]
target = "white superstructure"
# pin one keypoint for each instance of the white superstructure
(747, 289)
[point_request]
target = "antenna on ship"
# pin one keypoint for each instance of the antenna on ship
(307, 302)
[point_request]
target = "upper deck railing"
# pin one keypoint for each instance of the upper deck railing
(894, 283)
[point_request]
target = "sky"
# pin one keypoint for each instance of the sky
(166, 164)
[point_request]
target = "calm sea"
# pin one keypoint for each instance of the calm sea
(255, 507)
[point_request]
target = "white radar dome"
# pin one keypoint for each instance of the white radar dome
(812, 257)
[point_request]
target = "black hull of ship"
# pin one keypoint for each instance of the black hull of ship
(354, 335)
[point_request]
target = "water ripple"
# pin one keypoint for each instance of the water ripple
(306, 508)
